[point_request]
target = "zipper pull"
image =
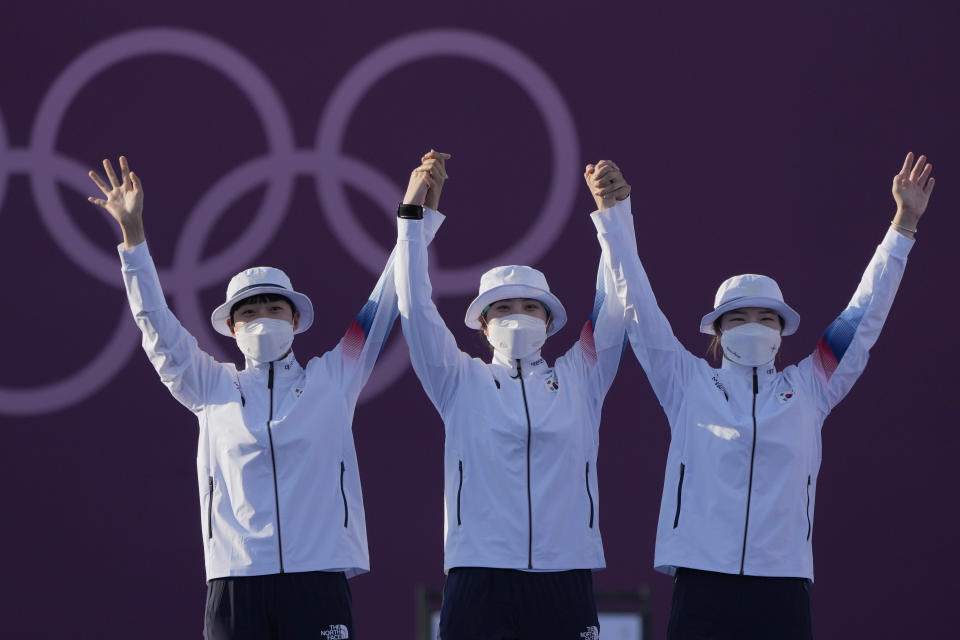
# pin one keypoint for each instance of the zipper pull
(270, 377)
(756, 385)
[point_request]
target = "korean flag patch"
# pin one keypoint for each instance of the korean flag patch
(551, 383)
(785, 396)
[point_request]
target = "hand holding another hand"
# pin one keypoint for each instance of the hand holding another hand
(606, 184)
(426, 181)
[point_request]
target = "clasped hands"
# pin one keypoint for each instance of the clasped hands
(604, 179)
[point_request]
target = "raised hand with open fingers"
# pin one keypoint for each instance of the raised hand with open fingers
(124, 200)
(911, 190)
(606, 183)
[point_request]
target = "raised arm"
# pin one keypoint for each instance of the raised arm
(844, 348)
(602, 338)
(361, 345)
(186, 370)
(661, 355)
(434, 354)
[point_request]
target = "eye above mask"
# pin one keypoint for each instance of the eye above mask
(517, 335)
(265, 339)
(750, 344)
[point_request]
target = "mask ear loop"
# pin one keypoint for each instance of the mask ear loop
(549, 313)
(483, 319)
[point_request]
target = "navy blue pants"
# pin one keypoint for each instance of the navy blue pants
(708, 605)
(505, 604)
(282, 606)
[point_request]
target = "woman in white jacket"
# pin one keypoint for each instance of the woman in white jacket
(521, 533)
(279, 486)
(736, 516)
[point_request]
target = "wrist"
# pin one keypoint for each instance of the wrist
(132, 234)
(906, 218)
(415, 195)
(605, 203)
(410, 211)
(904, 224)
(432, 201)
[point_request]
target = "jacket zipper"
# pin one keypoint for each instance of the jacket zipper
(809, 524)
(346, 514)
(273, 462)
(753, 451)
(210, 508)
(526, 409)
(676, 518)
(589, 495)
(459, 490)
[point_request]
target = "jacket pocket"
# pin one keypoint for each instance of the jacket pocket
(459, 490)
(809, 523)
(589, 495)
(343, 494)
(676, 517)
(209, 507)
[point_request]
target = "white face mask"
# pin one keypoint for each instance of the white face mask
(750, 344)
(516, 336)
(265, 339)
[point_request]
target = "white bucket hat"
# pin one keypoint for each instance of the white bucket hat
(256, 281)
(515, 281)
(750, 290)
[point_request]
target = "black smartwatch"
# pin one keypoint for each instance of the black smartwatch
(410, 211)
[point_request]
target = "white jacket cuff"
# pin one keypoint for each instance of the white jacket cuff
(140, 279)
(609, 219)
(409, 229)
(896, 243)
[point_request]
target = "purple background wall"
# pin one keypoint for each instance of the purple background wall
(756, 139)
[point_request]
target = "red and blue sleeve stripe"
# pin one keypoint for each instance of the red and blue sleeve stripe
(835, 341)
(587, 344)
(356, 336)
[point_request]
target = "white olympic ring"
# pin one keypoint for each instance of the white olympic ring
(190, 273)
(410, 48)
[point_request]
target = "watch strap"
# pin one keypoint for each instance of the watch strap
(410, 211)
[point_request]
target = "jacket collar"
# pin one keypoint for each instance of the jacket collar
(764, 372)
(282, 368)
(534, 363)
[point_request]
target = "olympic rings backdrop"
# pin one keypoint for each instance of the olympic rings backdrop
(326, 163)
(755, 138)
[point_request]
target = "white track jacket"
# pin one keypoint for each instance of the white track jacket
(277, 470)
(745, 448)
(520, 455)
